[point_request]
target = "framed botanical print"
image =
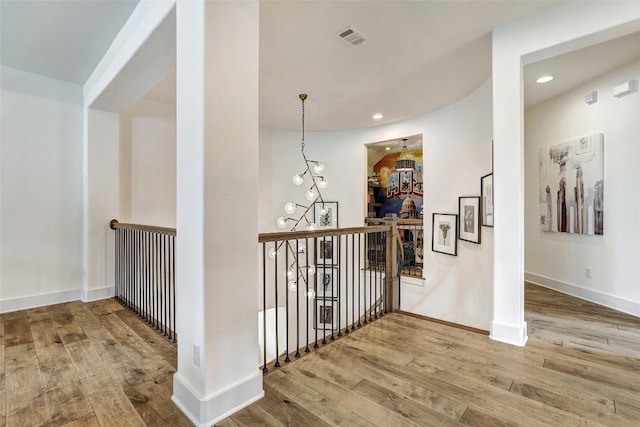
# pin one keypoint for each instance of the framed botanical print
(469, 214)
(327, 250)
(444, 233)
(327, 281)
(326, 314)
(325, 214)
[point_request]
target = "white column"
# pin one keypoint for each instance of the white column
(508, 323)
(217, 221)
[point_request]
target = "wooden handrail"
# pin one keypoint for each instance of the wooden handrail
(325, 232)
(398, 221)
(114, 225)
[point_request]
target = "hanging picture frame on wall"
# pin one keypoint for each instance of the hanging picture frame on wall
(325, 214)
(327, 281)
(444, 233)
(326, 314)
(469, 214)
(327, 250)
(486, 197)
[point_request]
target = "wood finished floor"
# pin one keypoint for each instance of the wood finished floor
(96, 364)
(581, 366)
(82, 365)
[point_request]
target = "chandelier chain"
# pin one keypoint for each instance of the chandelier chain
(302, 144)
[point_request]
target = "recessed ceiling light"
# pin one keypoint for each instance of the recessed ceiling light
(387, 148)
(544, 79)
(377, 116)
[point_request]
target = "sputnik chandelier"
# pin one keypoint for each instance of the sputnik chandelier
(313, 172)
(297, 272)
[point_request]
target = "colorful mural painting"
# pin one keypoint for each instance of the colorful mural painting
(402, 192)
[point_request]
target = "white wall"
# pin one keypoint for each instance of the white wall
(40, 190)
(559, 260)
(265, 176)
(457, 152)
(103, 202)
(148, 163)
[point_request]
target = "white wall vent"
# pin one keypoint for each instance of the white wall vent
(351, 36)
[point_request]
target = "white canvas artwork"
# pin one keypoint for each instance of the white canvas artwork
(572, 186)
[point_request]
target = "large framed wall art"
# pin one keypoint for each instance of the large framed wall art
(572, 186)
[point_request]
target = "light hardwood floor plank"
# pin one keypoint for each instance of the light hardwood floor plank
(578, 368)
(25, 392)
(97, 364)
(80, 365)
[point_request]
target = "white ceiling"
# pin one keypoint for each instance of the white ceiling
(580, 66)
(419, 55)
(62, 39)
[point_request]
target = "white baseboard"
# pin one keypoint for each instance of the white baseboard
(413, 281)
(608, 300)
(39, 300)
(509, 334)
(59, 297)
(215, 408)
(98, 293)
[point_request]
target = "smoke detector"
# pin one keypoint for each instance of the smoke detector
(351, 36)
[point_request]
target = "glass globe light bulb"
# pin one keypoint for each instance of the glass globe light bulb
(281, 222)
(272, 253)
(322, 183)
(318, 167)
(311, 226)
(290, 273)
(324, 210)
(311, 269)
(310, 294)
(297, 179)
(302, 247)
(290, 207)
(293, 286)
(311, 194)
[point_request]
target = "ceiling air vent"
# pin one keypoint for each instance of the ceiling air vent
(351, 36)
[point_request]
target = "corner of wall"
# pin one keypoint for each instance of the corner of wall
(215, 408)
(509, 334)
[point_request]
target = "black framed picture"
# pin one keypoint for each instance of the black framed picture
(327, 250)
(444, 234)
(325, 214)
(469, 214)
(326, 314)
(327, 281)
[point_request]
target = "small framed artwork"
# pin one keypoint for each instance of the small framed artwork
(327, 250)
(444, 234)
(325, 214)
(327, 281)
(469, 214)
(486, 191)
(326, 314)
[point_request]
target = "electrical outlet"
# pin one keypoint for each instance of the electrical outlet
(587, 272)
(196, 355)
